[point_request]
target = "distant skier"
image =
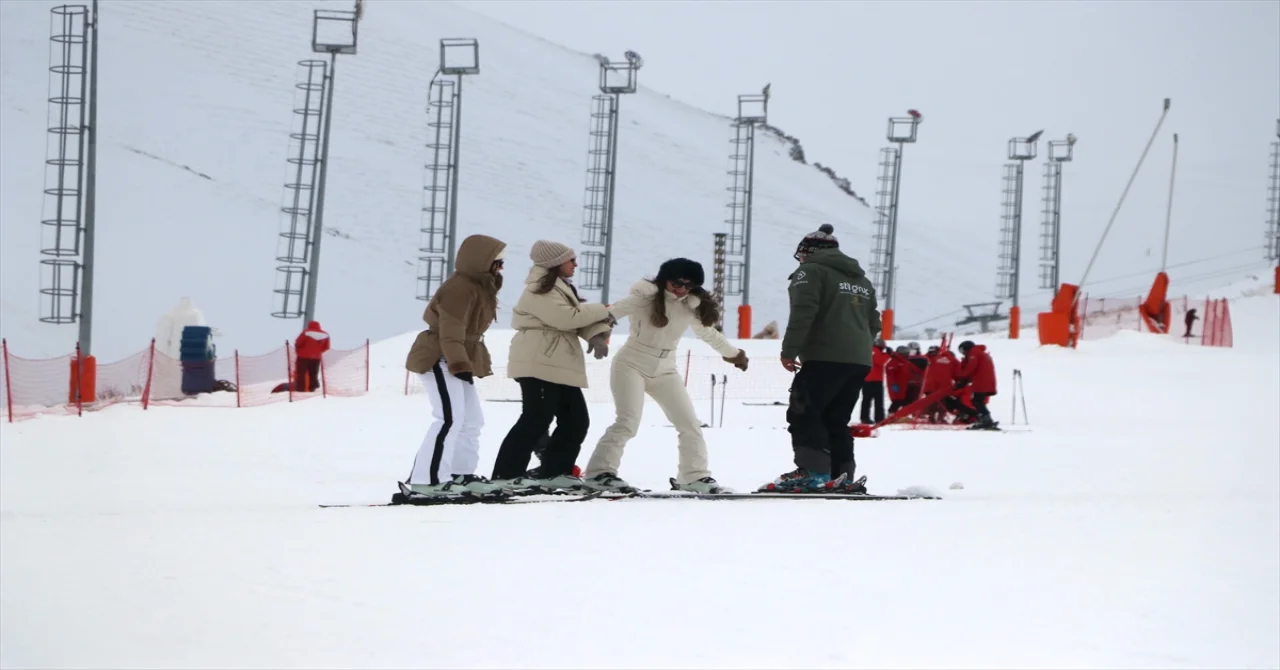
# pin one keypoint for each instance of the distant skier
(828, 341)
(873, 385)
(546, 360)
(979, 371)
(1190, 321)
(309, 348)
(660, 311)
(448, 357)
(897, 377)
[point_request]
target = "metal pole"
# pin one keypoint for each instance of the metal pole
(889, 288)
(1116, 212)
(453, 186)
(613, 181)
(90, 192)
(1168, 214)
(751, 178)
(317, 228)
(1017, 232)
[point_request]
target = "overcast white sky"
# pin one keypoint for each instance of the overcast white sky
(982, 72)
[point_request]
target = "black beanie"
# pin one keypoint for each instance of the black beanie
(822, 239)
(680, 268)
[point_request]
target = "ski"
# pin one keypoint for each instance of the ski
(757, 495)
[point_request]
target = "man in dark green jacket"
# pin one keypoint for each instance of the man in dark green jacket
(827, 344)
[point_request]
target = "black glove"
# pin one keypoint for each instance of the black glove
(466, 377)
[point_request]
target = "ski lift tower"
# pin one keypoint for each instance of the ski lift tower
(902, 130)
(753, 110)
(1060, 151)
(67, 220)
(616, 80)
(459, 56)
(1021, 150)
(333, 32)
(1273, 207)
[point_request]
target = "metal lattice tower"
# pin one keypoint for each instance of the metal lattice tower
(66, 263)
(1021, 150)
(1060, 151)
(437, 191)
(595, 214)
(1273, 202)
(753, 110)
(294, 244)
(717, 273)
(616, 80)
(333, 32)
(902, 130)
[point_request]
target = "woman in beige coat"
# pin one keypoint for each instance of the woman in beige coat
(546, 360)
(660, 311)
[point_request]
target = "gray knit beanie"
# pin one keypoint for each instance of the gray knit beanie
(547, 254)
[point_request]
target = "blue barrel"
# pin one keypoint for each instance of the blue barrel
(197, 377)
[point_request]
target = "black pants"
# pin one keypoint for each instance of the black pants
(542, 402)
(980, 405)
(307, 375)
(822, 398)
(872, 393)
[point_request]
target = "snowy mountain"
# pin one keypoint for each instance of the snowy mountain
(194, 113)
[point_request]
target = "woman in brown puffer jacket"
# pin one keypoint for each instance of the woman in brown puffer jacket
(448, 357)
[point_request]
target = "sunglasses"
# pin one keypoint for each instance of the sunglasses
(683, 283)
(499, 263)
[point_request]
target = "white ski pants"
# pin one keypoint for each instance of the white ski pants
(452, 444)
(635, 373)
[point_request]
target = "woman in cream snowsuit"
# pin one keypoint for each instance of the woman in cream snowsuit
(546, 360)
(448, 357)
(660, 311)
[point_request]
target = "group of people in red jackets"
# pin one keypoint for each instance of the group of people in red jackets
(908, 374)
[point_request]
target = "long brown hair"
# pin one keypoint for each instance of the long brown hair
(548, 281)
(708, 310)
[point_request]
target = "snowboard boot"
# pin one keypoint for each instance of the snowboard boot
(704, 485)
(799, 480)
(609, 483)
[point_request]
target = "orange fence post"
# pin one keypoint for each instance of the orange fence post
(886, 324)
(744, 322)
(1015, 316)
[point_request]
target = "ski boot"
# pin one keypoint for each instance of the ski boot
(799, 480)
(704, 485)
(844, 484)
(540, 481)
(474, 484)
(444, 492)
(609, 483)
(984, 423)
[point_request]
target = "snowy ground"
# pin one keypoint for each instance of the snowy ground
(1136, 525)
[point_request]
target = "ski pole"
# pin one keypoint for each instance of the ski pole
(724, 384)
(713, 400)
(1013, 398)
(1022, 392)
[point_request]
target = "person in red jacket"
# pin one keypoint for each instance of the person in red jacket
(897, 375)
(309, 347)
(873, 385)
(938, 375)
(978, 371)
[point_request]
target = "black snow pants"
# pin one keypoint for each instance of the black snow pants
(541, 403)
(822, 398)
(872, 394)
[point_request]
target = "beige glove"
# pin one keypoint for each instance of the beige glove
(739, 361)
(598, 346)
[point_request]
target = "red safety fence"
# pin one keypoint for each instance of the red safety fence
(32, 387)
(1103, 317)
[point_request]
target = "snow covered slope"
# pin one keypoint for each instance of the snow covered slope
(1124, 528)
(194, 115)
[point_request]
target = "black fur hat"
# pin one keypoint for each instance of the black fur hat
(680, 268)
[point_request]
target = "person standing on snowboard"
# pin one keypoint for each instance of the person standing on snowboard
(448, 357)
(660, 310)
(546, 360)
(828, 342)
